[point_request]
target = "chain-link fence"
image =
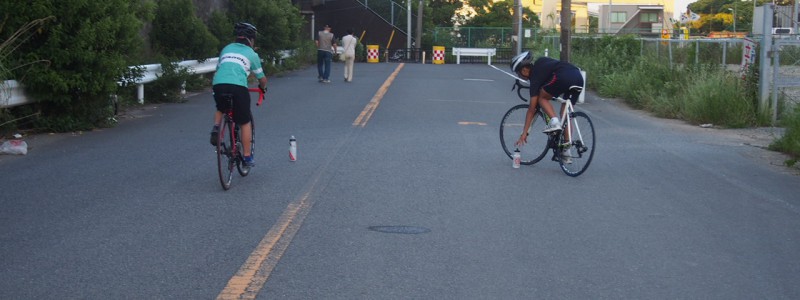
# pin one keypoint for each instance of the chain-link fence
(785, 75)
(728, 53)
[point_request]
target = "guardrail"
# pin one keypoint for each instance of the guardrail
(12, 93)
(486, 52)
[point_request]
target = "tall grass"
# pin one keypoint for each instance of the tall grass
(790, 141)
(717, 97)
(698, 94)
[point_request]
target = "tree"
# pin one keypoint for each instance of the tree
(86, 55)
(278, 23)
(497, 14)
(442, 13)
(179, 34)
(717, 15)
(221, 27)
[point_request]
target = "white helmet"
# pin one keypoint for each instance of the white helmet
(520, 61)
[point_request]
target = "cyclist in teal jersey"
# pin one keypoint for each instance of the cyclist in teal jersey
(236, 61)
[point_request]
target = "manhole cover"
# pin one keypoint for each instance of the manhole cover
(400, 229)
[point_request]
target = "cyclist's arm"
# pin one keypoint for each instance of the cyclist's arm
(523, 137)
(262, 83)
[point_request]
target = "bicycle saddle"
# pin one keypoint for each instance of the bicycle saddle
(574, 91)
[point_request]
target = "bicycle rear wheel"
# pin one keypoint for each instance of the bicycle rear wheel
(244, 170)
(582, 146)
(511, 129)
(226, 158)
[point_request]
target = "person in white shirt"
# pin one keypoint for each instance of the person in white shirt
(349, 45)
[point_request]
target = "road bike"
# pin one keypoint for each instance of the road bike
(229, 145)
(577, 134)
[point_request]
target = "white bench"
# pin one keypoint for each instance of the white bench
(487, 52)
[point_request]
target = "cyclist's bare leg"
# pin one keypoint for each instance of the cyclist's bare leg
(544, 102)
(217, 117)
(247, 138)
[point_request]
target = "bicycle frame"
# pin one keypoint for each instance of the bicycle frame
(569, 146)
(566, 115)
(566, 111)
(232, 155)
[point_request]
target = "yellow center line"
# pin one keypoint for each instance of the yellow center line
(256, 270)
(254, 273)
(376, 100)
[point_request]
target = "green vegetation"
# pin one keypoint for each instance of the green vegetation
(790, 142)
(85, 56)
(72, 65)
(696, 93)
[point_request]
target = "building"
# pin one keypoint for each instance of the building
(621, 16)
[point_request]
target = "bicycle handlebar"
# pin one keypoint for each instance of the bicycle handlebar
(519, 86)
(260, 95)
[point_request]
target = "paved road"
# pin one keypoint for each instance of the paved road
(416, 202)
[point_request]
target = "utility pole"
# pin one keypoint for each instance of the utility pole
(517, 26)
(796, 16)
(408, 25)
(566, 27)
(610, 5)
(420, 5)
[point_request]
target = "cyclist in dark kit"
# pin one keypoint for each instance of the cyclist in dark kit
(548, 77)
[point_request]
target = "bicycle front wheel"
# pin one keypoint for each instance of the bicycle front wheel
(511, 129)
(226, 158)
(578, 155)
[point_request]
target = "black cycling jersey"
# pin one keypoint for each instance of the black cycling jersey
(548, 72)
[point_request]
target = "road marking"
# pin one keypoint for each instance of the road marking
(472, 123)
(467, 101)
(376, 100)
(478, 79)
(254, 273)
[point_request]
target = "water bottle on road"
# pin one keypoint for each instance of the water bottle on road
(292, 149)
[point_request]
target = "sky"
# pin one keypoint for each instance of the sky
(680, 7)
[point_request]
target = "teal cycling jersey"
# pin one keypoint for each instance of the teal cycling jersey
(236, 61)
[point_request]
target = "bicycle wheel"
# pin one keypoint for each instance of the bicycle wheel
(244, 170)
(511, 129)
(581, 149)
(226, 158)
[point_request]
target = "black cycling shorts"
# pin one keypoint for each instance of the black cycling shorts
(562, 80)
(241, 101)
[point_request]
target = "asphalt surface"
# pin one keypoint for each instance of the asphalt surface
(418, 203)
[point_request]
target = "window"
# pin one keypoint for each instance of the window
(558, 18)
(619, 17)
(649, 17)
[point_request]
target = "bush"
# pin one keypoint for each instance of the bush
(695, 93)
(180, 35)
(167, 87)
(717, 97)
(86, 57)
(790, 141)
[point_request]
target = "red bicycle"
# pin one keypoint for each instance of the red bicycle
(229, 145)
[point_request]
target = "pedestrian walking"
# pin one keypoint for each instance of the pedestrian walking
(349, 51)
(326, 46)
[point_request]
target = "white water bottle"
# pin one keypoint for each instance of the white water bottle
(292, 149)
(516, 158)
